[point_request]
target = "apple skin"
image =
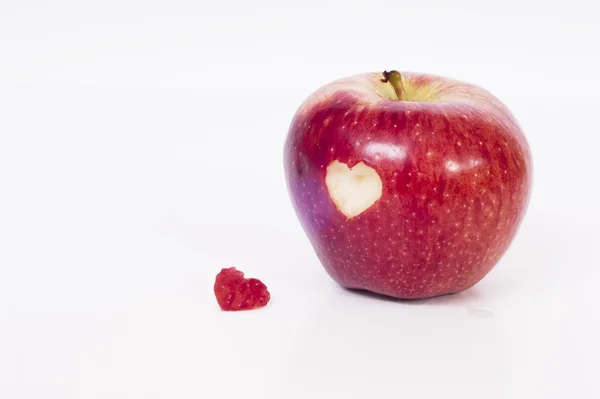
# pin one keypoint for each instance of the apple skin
(456, 171)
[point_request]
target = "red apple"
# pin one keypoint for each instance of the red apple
(408, 185)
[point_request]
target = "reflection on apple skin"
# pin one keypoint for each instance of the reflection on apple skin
(376, 150)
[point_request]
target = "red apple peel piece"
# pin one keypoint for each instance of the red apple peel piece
(234, 292)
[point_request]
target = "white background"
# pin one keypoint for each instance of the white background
(141, 151)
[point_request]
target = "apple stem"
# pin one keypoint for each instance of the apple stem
(395, 79)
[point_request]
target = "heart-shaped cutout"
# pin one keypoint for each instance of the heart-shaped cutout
(353, 190)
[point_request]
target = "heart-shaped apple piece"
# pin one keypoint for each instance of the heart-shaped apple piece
(353, 190)
(235, 292)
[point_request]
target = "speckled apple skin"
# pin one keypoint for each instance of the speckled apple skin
(457, 176)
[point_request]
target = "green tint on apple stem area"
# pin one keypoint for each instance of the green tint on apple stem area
(405, 90)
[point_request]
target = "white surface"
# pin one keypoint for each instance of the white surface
(141, 151)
